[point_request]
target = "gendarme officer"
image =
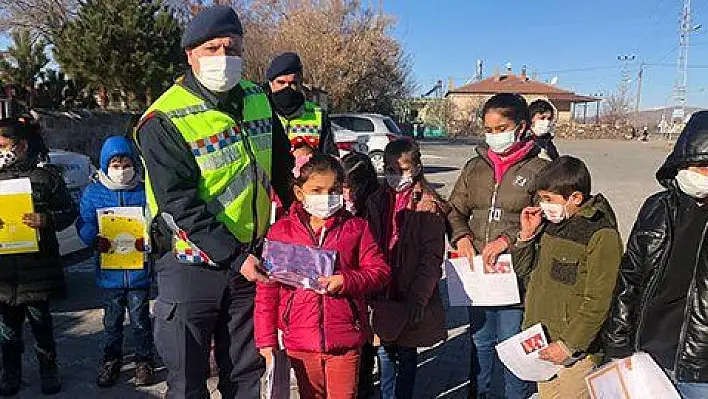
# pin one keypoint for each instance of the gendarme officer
(300, 119)
(212, 156)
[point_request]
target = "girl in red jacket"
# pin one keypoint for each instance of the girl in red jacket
(322, 333)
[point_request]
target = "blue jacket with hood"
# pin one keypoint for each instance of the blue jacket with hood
(98, 196)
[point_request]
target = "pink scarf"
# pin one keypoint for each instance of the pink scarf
(400, 203)
(502, 164)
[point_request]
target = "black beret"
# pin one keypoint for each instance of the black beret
(284, 64)
(209, 23)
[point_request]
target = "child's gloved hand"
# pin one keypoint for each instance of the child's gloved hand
(415, 313)
(140, 245)
(103, 244)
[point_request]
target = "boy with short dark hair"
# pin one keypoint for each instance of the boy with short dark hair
(569, 263)
(543, 115)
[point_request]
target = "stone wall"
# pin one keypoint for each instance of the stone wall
(83, 131)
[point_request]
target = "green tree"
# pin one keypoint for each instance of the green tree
(130, 48)
(23, 63)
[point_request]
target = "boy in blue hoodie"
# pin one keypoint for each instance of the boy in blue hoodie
(119, 186)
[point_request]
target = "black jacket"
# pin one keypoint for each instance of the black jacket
(547, 144)
(38, 276)
(646, 260)
(175, 173)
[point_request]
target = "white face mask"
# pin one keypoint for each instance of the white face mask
(220, 73)
(399, 182)
(121, 175)
(555, 213)
(692, 183)
(542, 127)
(501, 142)
(7, 158)
(323, 206)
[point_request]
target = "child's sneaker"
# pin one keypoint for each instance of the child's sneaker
(109, 373)
(143, 374)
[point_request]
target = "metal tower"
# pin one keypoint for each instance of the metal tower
(681, 85)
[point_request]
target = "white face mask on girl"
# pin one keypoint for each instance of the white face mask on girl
(692, 183)
(121, 175)
(323, 206)
(220, 73)
(542, 127)
(500, 142)
(555, 213)
(7, 158)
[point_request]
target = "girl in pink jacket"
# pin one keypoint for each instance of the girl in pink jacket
(322, 332)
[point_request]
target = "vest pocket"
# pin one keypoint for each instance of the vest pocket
(564, 271)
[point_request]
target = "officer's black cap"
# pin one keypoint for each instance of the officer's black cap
(284, 64)
(212, 22)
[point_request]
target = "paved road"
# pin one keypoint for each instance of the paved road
(622, 170)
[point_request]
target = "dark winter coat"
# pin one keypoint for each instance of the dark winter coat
(416, 266)
(37, 276)
(644, 264)
(475, 190)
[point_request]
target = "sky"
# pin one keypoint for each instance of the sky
(576, 41)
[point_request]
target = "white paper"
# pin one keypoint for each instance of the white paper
(645, 379)
(278, 377)
(468, 287)
(520, 354)
(15, 186)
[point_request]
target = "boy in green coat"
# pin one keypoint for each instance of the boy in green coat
(569, 262)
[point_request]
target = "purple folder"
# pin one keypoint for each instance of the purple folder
(298, 265)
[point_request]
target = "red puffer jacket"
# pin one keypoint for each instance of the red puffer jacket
(322, 323)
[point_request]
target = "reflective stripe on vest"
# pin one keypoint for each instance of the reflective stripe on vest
(307, 124)
(225, 151)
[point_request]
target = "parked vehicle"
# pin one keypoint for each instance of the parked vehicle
(378, 129)
(78, 172)
(349, 140)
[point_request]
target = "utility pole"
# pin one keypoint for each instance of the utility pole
(681, 86)
(625, 81)
(640, 75)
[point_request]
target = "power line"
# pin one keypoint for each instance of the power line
(587, 69)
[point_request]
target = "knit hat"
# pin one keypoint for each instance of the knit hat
(212, 22)
(284, 64)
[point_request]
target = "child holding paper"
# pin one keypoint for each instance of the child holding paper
(486, 202)
(322, 332)
(569, 251)
(29, 280)
(408, 221)
(119, 185)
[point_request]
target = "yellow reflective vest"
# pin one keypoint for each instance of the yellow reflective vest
(234, 158)
(309, 124)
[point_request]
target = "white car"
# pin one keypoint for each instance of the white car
(373, 129)
(78, 172)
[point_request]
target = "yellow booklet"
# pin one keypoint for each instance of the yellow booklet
(122, 226)
(15, 201)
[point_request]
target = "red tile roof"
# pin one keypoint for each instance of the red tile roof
(519, 84)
